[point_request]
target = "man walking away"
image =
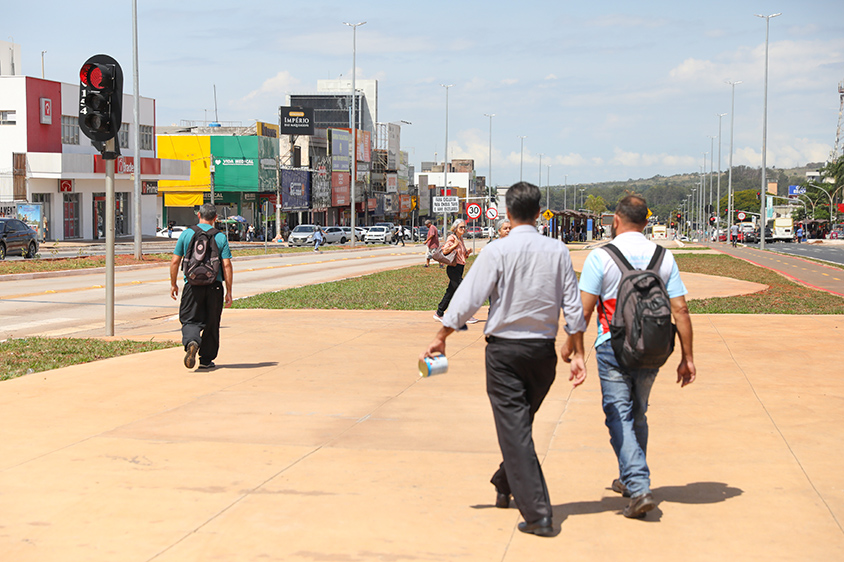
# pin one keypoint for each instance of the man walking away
(528, 278)
(202, 304)
(734, 234)
(432, 242)
(625, 389)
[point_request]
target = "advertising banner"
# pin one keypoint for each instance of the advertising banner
(266, 130)
(424, 195)
(340, 189)
(236, 163)
(392, 183)
(339, 142)
(364, 146)
(795, 190)
(321, 184)
(32, 214)
(393, 143)
(405, 203)
(295, 190)
(296, 120)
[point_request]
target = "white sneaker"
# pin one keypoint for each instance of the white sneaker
(437, 317)
(472, 320)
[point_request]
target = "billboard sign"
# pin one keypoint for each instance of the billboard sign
(340, 189)
(446, 204)
(795, 190)
(392, 183)
(295, 190)
(340, 143)
(296, 120)
(266, 130)
(321, 184)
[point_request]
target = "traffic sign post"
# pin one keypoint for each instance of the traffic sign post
(492, 213)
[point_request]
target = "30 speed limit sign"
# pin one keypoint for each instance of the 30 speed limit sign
(474, 211)
(492, 213)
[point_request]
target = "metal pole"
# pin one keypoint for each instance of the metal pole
(445, 159)
(730, 210)
(522, 158)
(709, 206)
(762, 213)
(137, 134)
(565, 191)
(42, 64)
(489, 178)
(353, 127)
(540, 177)
(718, 204)
(109, 233)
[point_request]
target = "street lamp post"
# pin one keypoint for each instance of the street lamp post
(718, 204)
(582, 189)
(709, 205)
(353, 127)
(522, 157)
(445, 159)
(489, 175)
(730, 176)
(539, 185)
(762, 213)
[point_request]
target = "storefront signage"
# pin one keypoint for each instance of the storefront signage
(46, 111)
(296, 120)
(149, 187)
(65, 186)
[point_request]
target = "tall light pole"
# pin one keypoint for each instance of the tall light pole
(762, 214)
(718, 203)
(730, 176)
(42, 62)
(565, 191)
(445, 158)
(711, 158)
(353, 127)
(692, 209)
(582, 189)
(539, 185)
(522, 157)
(136, 103)
(489, 175)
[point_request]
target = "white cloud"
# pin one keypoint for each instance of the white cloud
(783, 152)
(509, 81)
(277, 86)
(635, 159)
(551, 77)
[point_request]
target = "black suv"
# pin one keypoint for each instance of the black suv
(17, 238)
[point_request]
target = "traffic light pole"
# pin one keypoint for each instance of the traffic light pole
(109, 233)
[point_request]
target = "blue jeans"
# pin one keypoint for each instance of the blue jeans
(625, 401)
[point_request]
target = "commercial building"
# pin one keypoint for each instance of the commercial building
(47, 164)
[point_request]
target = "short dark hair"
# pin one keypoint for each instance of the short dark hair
(633, 209)
(208, 212)
(522, 201)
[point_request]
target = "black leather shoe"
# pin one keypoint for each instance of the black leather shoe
(542, 528)
(502, 500)
(619, 488)
(639, 506)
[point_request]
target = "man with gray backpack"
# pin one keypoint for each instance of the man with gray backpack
(637, 288)
(203, 253)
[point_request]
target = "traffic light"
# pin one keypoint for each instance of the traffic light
(711, 220)
(679, 216)
(100, 99)
(757, 196)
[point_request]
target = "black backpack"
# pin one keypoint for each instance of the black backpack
(641, 330)
(202, 259)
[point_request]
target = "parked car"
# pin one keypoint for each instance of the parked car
(302, 235)
(421, 233)
(176, 232)
(335, 234)
(379, 235)
(347, 233)
(17, 238)
(473, 232)
(488, 231)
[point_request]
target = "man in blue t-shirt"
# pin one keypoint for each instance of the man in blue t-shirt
(202, 305)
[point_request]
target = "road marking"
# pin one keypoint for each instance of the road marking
(35, 323)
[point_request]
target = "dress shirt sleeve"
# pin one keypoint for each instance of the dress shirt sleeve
(572, 305)
(473, 291)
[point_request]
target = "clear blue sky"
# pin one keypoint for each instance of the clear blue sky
(605, 90)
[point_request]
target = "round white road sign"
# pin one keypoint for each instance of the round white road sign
(742, 216)
(474, 211)
(492, 213)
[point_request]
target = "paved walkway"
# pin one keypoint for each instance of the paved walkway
(315, 439)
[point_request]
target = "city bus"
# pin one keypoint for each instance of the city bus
(606, 225)
(656, 232)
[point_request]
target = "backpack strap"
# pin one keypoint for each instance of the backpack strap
(618, 257)
(656, 260)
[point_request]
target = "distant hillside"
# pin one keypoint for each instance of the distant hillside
(665, 194)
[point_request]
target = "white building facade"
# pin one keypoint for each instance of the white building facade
(46, 160)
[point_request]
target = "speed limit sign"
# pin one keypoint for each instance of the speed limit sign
(474, 211)
(491, 213)
(741, 216)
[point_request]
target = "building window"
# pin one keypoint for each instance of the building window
(8, 117)
(70, 130)
(147, 132)
(123, 135)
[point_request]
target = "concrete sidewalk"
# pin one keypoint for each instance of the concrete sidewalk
(315, 439)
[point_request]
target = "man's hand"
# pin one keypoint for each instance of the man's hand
(578, 371)
(686, 372)
(566, 350)
(437, 347)
(228, 299)
(174, 291)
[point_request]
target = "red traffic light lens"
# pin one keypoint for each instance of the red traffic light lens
(96, 78)
(83, 74)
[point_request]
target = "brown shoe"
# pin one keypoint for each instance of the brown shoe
(190, 354)
(639, 506)
(619, 488)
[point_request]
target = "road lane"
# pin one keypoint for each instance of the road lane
(75, 305)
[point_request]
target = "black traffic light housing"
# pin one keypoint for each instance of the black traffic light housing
(711, 220)
(101, 101)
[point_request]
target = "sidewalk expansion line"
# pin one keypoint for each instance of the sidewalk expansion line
(774, 423)
(313, 451)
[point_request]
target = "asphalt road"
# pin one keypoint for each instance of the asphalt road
(824, 252)
(74, 305)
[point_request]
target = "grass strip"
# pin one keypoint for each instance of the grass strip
(782, 296)
(24, 356)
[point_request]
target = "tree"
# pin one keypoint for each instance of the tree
(596, 204)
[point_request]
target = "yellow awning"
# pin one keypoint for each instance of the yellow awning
(182, 199)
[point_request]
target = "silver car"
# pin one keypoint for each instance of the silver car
(379, 235)
(302, 235)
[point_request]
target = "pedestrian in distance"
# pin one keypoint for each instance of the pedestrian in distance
(319, 237)
(203, 252)
(626, 383)
(454, 243)
(399, 235)
(504, 229)
(528, 279)
(799, 233)
(432, 242)
(734, 234)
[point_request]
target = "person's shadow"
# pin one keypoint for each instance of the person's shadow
(693, 493)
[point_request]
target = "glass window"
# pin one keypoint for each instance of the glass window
(8, 117)
(146, 137)
(70, 130)
(71, 215)
(123, 135)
